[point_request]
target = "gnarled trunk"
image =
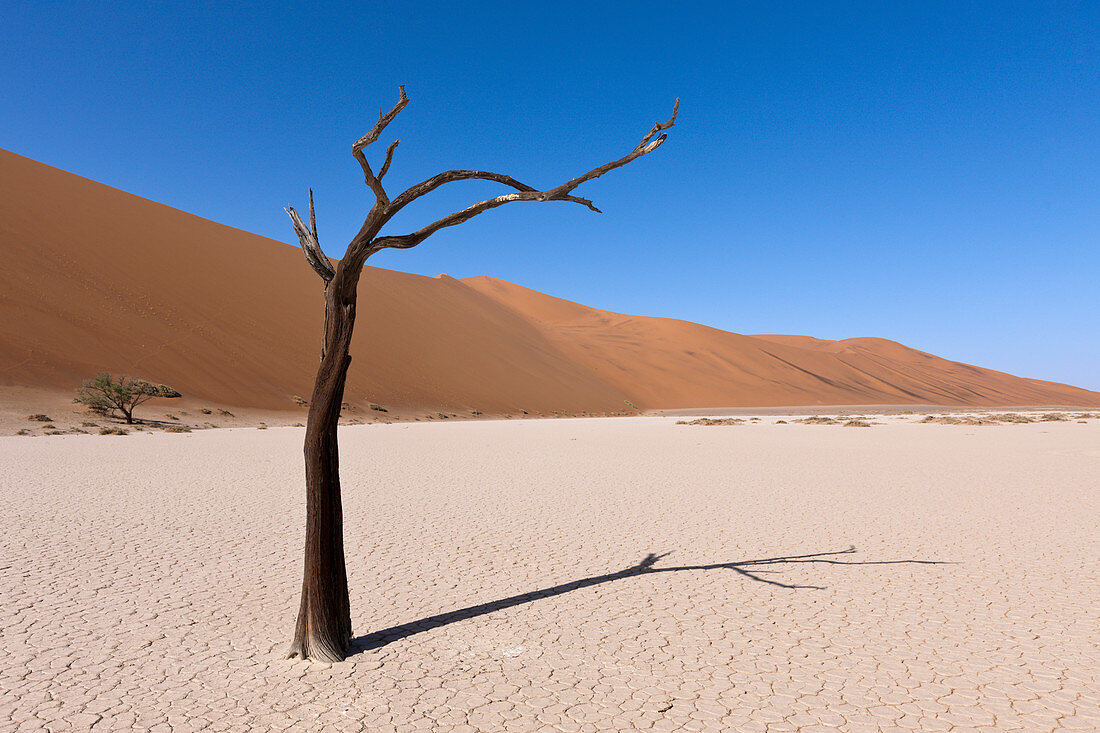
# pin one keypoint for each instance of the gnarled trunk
(324, 619)
(323, 631)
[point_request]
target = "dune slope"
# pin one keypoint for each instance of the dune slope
(96, 279)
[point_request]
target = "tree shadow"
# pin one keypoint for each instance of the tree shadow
(750, 569)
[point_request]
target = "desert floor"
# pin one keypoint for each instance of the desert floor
(562, 575)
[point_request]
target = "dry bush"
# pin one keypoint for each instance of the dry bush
(712, 421)
(818, 420)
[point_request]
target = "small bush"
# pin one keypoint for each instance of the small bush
(23, 431)
(39, 418)
(818, 420)
(712, 421)
(113, 431)
(227, 413)
(89, 424)
(206, 411)
(177, 429)
(378, 407)
(299, 401)
(857, 424)
(262, 426)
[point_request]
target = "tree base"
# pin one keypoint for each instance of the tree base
(317, 648)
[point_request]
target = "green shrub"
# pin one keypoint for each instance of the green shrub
(105, 394)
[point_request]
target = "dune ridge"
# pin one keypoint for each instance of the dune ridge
(96, 279)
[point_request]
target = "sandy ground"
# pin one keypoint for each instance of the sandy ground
(562, 575)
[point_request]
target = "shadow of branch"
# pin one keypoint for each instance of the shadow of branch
(747, 568)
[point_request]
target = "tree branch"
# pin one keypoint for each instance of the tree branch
(643, 148)
(312, 217)
(407, 241)
(308, 239)
(389, 158)
(425, 187)
(526, 193)
(375, 182)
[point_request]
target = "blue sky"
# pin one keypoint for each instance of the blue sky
(926, 172)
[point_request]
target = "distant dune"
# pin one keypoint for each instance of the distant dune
(95, 279)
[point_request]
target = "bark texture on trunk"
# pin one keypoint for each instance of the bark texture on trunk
(323, 630)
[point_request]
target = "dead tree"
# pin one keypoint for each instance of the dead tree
(323, 630)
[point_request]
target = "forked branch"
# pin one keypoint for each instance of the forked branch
(375, 182)
(308, 239)
(525, 193)
(367, 241)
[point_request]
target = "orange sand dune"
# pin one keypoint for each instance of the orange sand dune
(665, 362)
(100, 280)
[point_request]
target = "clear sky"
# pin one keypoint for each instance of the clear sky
(926, 172)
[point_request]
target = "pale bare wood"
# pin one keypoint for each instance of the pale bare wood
(308, 239)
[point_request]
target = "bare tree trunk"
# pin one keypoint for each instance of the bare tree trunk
(323, 631)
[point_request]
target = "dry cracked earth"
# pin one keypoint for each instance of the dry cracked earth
(567, 575)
